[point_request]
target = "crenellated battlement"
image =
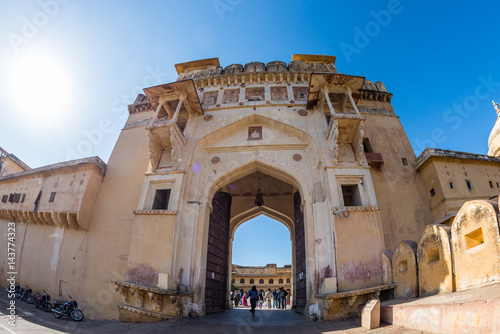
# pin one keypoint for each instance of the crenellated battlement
(210, 68)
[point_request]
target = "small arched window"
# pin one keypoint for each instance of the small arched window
(242, 280)
(288, 280)
(271, 281)
(251, 281)
(280, 281)
(261, 281)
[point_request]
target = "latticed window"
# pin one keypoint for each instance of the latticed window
(280, 281)
(251, 281)
(242, 280)
(261, 281)
(288, 280)
(271, 281)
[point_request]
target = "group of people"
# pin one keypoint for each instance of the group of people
(273, 299)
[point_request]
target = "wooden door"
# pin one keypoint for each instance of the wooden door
(300, 255)
(217, 254)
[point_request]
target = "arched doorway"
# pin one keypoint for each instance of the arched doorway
(261, 254)
(234, 203)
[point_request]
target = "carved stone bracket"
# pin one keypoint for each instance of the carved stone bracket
(325, 306)
(348, 302)
(333, 139)
(123, 290)
(340, 305)
(164, 135)
(157, 300)
(144, 303)
(59, 219)
(375, 95)
(138, 297)
(359, 145)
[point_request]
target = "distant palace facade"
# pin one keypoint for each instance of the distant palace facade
(267, 277)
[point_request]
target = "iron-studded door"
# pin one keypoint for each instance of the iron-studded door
(217, 254)
(300, 255)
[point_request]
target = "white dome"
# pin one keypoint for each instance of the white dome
(494, 139)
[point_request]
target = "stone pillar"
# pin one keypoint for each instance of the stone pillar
(476, 245)
(435, 274)
(405, 271)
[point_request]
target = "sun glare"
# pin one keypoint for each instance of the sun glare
(40, 88)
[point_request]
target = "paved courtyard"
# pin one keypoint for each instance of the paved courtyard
(32, 320)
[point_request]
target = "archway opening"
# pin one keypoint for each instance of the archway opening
(234, 204)
(262, 256)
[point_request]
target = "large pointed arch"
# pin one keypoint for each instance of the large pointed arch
(250, 167)
(254, 212)
(306, 144)
(298, 239)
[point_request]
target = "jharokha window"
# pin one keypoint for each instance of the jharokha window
(162, 197)
(351, 195)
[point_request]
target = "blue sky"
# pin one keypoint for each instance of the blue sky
(260, 241)
(86, 60)
(69, 68)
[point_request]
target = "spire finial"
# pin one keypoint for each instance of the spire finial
(497, 108)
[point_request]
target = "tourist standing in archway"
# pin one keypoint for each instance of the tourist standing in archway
(254, 297)
(244, 298)
(269, 298)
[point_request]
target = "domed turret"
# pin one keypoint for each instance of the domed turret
(494, 140)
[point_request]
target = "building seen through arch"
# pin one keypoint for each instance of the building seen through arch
(265, 277)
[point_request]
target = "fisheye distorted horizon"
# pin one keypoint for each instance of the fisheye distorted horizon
(260, 241)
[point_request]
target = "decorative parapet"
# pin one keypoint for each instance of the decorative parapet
(208, 72)
(59, 219)
(137, 123)
(143, 303)
(435, 153)
(358, 208)
(253, 78)
(373, 95)
(155, 212)
(139, 107)
(340, 305)
(348, 116)
(140, 104)
(376, 111)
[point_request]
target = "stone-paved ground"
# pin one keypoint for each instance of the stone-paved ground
(32, 320)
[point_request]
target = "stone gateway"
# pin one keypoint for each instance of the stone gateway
(148, 235)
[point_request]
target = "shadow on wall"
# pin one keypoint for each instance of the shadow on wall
(448, 259)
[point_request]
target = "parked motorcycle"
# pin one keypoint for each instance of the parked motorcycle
(26, 295)
(68, 309)
(17, 291)
(43, 301)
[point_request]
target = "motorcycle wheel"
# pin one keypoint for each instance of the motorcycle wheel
(57, 315)
(76, 315)
(46, 306)
(28, 299)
